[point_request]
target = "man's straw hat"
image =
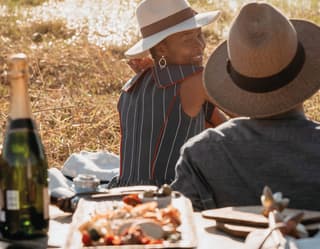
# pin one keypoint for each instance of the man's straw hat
(267, 66)
(159, 19)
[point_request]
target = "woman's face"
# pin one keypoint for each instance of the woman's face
(184, 47)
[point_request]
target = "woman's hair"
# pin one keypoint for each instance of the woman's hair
(153, 52)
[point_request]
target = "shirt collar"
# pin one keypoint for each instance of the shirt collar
(168, 76)
(292, 114)
(173, 74)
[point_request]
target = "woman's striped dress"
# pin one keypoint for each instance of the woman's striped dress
(154, 126)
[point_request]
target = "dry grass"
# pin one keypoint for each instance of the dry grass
(74, 86)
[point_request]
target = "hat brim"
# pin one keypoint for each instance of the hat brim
(234, 100)
(142, 47)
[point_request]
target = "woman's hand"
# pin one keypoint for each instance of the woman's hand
(139, 64)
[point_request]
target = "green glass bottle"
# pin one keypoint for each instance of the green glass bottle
(24, 198)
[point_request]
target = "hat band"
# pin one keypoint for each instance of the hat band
(167, 22)
(270, 83)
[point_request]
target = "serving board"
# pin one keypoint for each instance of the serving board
(86, 207)
(251, 216)
(237, 230)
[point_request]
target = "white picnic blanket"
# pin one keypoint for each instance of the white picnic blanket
(103, 164)
(255, 240)
(309, 243)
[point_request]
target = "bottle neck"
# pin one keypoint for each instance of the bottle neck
(19, 103)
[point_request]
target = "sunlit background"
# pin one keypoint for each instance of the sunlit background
(113, 22)
(77, 63)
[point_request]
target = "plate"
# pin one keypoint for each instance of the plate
(88, 206)
(251, 216)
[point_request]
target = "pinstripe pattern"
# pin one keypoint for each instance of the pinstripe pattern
(154, 126)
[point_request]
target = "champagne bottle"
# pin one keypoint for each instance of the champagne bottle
(23, 168)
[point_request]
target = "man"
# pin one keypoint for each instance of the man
(266, 69)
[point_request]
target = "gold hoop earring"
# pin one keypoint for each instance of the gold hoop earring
(162, 62)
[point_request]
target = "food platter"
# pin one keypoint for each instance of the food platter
(87, 207)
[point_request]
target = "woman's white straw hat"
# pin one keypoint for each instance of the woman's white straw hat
(268, 64)
(159, 19)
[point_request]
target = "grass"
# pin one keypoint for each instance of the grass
(75, 84)
(14, 3)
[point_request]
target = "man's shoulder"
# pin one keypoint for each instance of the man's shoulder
(225, 132)
(247, 129)
(210, 136)
(219, 132)
(232, 123)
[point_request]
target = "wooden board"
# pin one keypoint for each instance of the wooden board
(87, 207)
(236, 230)
(251, 216)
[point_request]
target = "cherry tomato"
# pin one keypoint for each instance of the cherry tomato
(145, 240)
(132, 200)
(108, 239)
(156, 241)
(86, 240)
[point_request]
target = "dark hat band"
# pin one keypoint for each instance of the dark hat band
(167, 22)
(270, 83)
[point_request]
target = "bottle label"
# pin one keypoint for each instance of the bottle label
(45, 203)
(13, 201)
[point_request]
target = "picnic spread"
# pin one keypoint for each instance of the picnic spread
(149, 216)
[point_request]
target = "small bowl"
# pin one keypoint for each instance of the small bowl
(85, 183)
